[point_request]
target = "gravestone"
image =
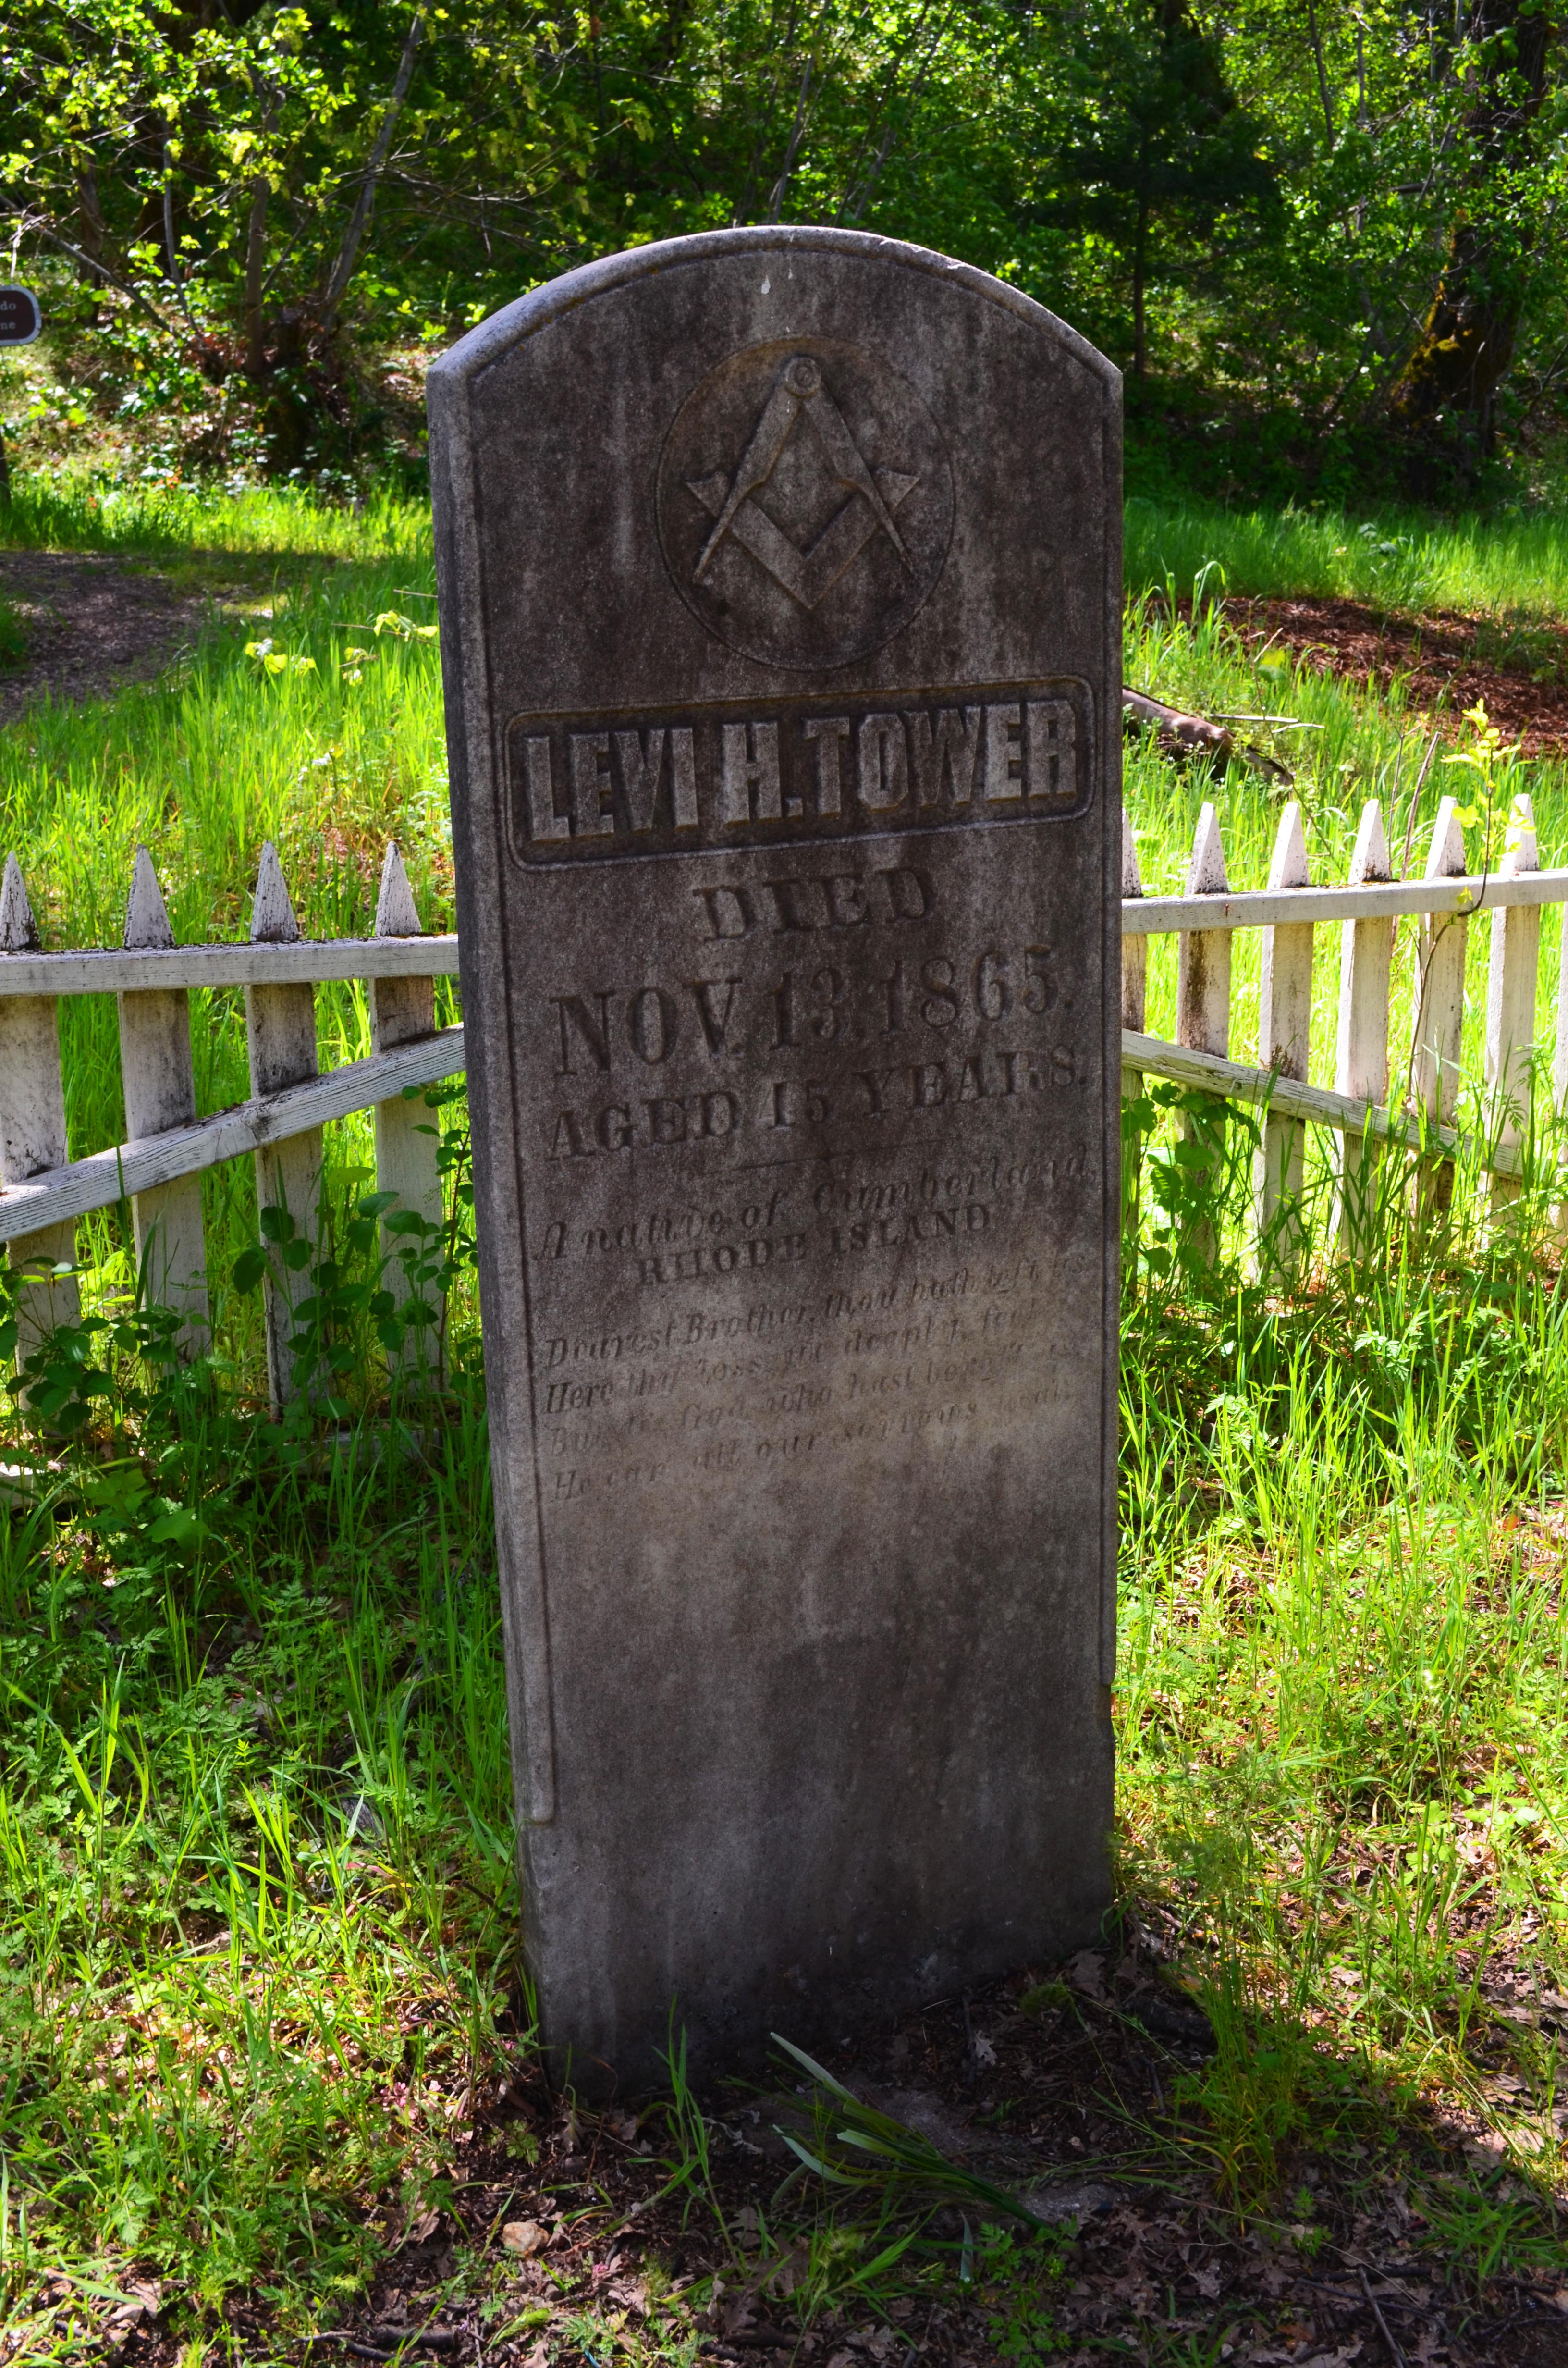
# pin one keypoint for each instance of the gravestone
(780, 604)
(22, 316)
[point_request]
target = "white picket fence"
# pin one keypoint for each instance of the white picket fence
(42, 1193)
(1366, 909)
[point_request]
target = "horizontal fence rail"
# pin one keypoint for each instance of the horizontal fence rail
(42, 1192)
(107, 1176)
(1234, 1081)
(1255, 909)
(1366, 910)
(309, 962)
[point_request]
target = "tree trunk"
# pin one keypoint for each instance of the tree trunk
(1316, 40)
(1139, 273)
(256, 260)
(90, 209)
(359, 220)
(1467, 341)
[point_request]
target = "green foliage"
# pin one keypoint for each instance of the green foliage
(1256, 209)
(363, 1298)
(858, 2147)
(1157, 152)
(211, 1648)
(689, 2167)
(1014, 2273)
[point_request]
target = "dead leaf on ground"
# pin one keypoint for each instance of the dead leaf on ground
(1086, 1973)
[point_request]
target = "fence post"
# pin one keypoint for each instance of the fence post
(1559, 1071)
(1134, 1003)
(1203, 999)
(280, 1022)
(32, 1124)
(1361, 1057)
(160, 1092)
(1284, 1032)
(403, 1010)
(1438, 1037)
(1511, 977)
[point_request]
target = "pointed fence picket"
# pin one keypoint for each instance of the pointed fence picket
(1438, 1037)
(33, 1129)
(1203, 993)
(1361, 1051)
(158, 1166)
(1135, 993)
(1512, 975)
(280, 1034)
(1425, 1092)
(1284, 1042)
(159, 1080)
(403, 1011)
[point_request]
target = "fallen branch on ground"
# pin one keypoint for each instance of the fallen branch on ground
(1179, 735)
(1185, 736)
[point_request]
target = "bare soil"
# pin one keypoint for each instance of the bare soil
(93, 625)
(1446, 661)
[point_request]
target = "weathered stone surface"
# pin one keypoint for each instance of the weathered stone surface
(781, 608)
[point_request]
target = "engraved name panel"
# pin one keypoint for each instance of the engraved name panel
(581, 787)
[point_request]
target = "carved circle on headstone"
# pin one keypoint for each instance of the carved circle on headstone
(805, 502)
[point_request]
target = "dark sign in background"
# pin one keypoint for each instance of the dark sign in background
(22, 316)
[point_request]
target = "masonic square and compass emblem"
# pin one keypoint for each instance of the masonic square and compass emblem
(805, 502)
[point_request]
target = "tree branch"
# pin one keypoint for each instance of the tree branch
(171, 251)
(255, 267)
(797, 132)
(122, 286)
(359, 220)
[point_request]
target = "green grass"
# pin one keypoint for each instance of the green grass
(1358, 748)
(178, 520)
(1394, 559)
(330, 757)
(212, 1977)
(243, 2019)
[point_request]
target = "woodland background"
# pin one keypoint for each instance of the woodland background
(1323, 238)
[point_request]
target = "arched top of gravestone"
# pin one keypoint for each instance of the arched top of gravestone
(816, 452)
(494, 339)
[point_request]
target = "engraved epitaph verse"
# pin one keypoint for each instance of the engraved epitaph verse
(795, 1171)
(780, 626)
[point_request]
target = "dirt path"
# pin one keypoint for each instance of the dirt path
(93, 625)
